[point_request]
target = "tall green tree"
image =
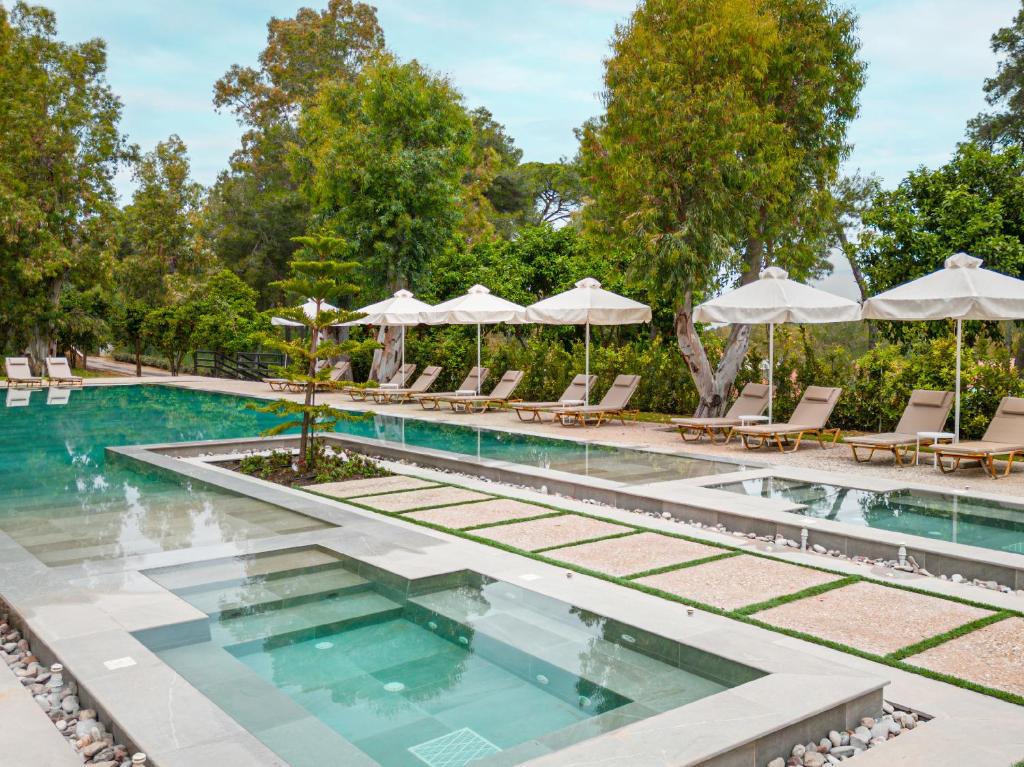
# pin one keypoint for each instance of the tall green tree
(318, 274)
(161, 237)
(59, 150)
(1005, 91)
(712, 166)
(255, 207)
(384, 157)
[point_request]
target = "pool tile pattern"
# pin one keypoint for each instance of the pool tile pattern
(420, 499)
(738, 581)
(872, 617)
(480, 513)
(992, 656)
(355, 487)
(554, 531)
(642, 552)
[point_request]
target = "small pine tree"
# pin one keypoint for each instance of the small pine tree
(318, 274)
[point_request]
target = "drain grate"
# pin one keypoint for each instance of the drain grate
(454, 749)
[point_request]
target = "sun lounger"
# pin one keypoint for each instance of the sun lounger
(387, 395)
(342, 371)
(500, 395)
(288, 384)
(19, 373)
(471, 385)
(612, 405)
(753, 400)
(810, 417)
(398, 380)
(573, 395)
(927, 410)
(58, 372)
(1003, 439)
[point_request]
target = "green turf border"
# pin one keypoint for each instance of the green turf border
(796, 596)
(682, 565)
(597, 539)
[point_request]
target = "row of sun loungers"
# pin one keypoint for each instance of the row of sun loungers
(58, 373)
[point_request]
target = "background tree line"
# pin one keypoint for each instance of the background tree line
(701, 170)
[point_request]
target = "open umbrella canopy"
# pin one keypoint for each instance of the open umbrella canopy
(309, 308)
(774, 299)
(400, 309)
(477, 306)
(961, 291)
(588, 304)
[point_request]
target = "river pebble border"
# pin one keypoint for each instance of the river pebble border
(58, 696)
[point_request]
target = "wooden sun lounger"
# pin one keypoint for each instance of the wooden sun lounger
(753, 400)
(573, 395)
(19, 374)
(58, 372)
(1003, 439)
(384, 395)
(500, 395)
(613, 405)
(471, 385)
(927, 410)
(810, 417)
(398, 380)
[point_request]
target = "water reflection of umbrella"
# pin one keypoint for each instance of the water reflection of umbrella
(588, 304)
(961, 291)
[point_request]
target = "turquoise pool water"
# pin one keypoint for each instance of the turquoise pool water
(941, 516)
(330, 662)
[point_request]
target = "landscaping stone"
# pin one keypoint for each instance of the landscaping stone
(738, 581)
(644, 551)
(373, 485)
(553, 531)
(482, 513)
(419, 499)
(872, 617)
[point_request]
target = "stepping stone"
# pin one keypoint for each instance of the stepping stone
(553, 531)
(482, 513)
(637, 554)
(992, 656)
(872, 617)
(355, 487)
(421, 499)
(738, 581)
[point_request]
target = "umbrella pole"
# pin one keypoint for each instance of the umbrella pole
(478, 359)
(771, 368)
(403, 350)
(586, 369)
(956, 417)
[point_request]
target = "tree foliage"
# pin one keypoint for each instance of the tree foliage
(1004, 91)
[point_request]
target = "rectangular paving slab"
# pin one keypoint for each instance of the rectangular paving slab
(738, 581)
(635, 554)
(992, 656)
(553, 531)
(872, 617)
(480, 513)
(355, 487)
(420, 499)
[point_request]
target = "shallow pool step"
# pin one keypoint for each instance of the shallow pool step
(304, 621)
(229, 601)
(236, 569)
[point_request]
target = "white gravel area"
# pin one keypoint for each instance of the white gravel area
(635, 554)
(356, 487)
(992, 656)
(419, 499)
(481, 513)
(554, 531)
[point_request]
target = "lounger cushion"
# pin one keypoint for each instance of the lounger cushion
(883, 440)
(928, 397)
(1012, 406)
(818, 393)
(980, 447)
(707, 422)
(769, 429)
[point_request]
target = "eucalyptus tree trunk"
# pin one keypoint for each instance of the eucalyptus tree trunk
(387, 358)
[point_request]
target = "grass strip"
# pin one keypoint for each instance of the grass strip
(517, 520)
(610, 537)
(683, 565)
(796, 596)
(959, 631)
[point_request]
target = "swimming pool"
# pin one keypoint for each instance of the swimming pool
(940, 516)
(329, 661)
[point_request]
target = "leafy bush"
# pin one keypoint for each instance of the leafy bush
(280, 466)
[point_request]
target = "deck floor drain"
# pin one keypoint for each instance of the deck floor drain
(455, 749)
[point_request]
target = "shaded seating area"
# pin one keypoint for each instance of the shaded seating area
(809, 418)
(753, 401)
(926, 412)
(58, 372)
(1003, 440)
(614, 404)
(470, 386)
(387, 395)
(573, 395)
(500, 396)
(19, 373)
(398, 380)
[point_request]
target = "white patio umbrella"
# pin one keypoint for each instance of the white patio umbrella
(310, 310)
(961, 291)
(588, 304)
(401, 310)
(773, 299)
(478, 306)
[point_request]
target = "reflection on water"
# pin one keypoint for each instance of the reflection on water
(941, 516)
